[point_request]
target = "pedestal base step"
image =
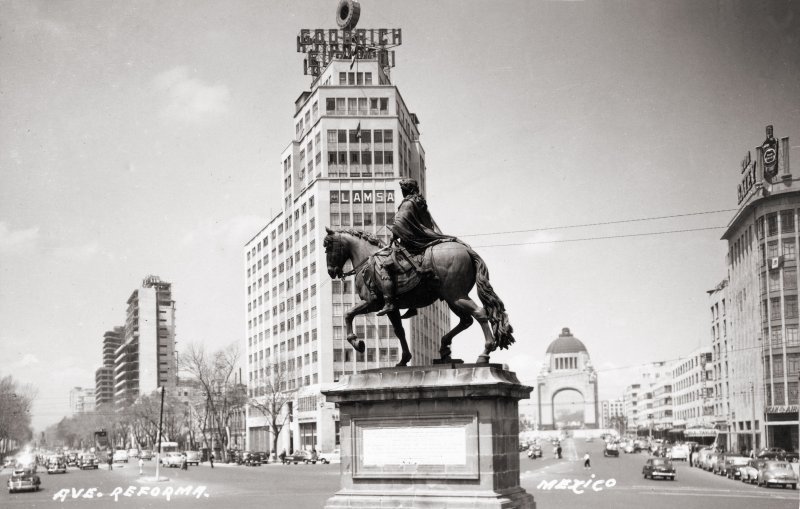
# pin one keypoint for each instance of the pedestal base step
(513, 499)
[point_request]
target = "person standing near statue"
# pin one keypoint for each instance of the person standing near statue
(413, 230)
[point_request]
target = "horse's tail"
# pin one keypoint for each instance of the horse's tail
(495, 309)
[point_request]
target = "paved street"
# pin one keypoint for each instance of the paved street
(308, 486)
(693, 487)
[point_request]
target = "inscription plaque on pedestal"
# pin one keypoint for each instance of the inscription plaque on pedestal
(431, 447)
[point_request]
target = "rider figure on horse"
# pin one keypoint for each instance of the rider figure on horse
(413, 230)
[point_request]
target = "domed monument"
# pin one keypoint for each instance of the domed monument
(566, 388)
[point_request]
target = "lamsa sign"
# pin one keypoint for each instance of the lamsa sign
(386, 196)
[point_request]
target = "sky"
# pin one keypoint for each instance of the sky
(144, 137)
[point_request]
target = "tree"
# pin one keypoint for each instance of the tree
(15, 419)
(271, 399)
(223, 395)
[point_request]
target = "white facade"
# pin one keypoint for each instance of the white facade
(81, 400)
(609, 409)
(354, 140)
(693, 390)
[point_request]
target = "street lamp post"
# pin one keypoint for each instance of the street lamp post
(160, 422)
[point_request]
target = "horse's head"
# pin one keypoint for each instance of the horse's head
(336, 253)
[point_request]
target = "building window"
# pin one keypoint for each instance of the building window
(788, 249)
(790, 279)
(772, 224)
(791, 306)
(787, 221)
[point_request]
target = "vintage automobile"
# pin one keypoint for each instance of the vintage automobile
(72, 458)
(717, 462)
(733, 465)
(335, 456)
(658, 467)
(23, 479)
(301, 456)
(679, 452)
(249, 458)
(749, 472)
(192, 457)
(120, 456)
(172, 459)
(611, 449)
(535, 451)
(776, 473)
(56, 465)
(88, 461)
(146, 455)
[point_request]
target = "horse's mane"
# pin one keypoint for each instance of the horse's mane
(372, 239)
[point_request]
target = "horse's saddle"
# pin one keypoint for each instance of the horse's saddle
(412, 269)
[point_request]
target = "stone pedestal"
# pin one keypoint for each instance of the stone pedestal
(430, 436)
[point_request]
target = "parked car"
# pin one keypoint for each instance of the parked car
(120, 456)
(535, 451)
(23, 479)
(172, 459)
(776, 473)
(146, 455)
(335, 456)
(301, 456)
(629, 447)
(658, 467)
(733, 464)
(249, 458)
(611, 449)
(717, 462)
(56, 465)
(88, 461)
(133, 453)
(192, 457)
(749, 472)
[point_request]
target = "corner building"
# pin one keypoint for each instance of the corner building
(355, 138)
(762, 365)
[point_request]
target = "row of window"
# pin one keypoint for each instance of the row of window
(301, 210)
(349, 355)
(771, 310)
(357, 106)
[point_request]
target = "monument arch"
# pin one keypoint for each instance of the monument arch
(567, 368)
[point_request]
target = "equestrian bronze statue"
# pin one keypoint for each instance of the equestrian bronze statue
(419, 267)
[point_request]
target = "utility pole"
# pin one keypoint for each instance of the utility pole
(753, 404)
(160, 422)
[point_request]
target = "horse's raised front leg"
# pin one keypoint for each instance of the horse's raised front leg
(465, 320)
(359, 309)
(397, 325)
(479, 314)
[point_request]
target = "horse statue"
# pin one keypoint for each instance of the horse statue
(455, 269)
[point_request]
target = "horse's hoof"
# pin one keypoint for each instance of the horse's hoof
(403, 360)
(482, 359)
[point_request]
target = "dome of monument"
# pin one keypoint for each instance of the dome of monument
(566, 343)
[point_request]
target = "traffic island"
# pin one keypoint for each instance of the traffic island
(442, 436)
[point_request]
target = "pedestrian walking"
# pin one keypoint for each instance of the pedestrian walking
(141, 466)
(558, 452)
(184, 464)
(211, 460)
(587, 463)
(110, 462)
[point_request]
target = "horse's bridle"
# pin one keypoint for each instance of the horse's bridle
(337, 250)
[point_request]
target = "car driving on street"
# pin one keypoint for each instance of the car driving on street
(24, 479)
(658, 468)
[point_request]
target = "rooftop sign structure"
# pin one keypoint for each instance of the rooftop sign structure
(347, 42)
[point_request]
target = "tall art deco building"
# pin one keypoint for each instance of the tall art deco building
(760, 343)
(354, 139)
